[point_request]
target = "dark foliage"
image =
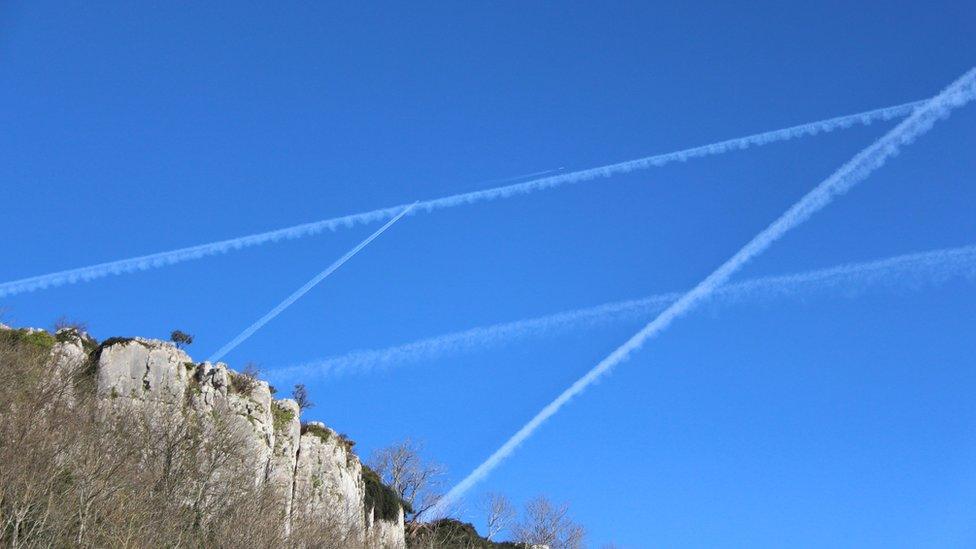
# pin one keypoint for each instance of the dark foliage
(181, 339)
(95, 354)
(347, 442)
(300, 394)
(451, 533)
(116, 341)
(380, 497)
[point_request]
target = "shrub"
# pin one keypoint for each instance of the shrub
(452, 533)
(384, 501)
(71, 334)
(347, 442)
(246, 381)
(64, 323)
(194, 387)
(116, 341)
(181, 339)
(281, 416)
(37, 338)
(317, 430)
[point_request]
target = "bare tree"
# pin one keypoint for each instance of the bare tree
(499, 514)
(300, 394)
(65, 323)
(414, 478)
(545, 523)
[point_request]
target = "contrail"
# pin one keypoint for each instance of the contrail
(172, 257)
(933, 266)
(854, 171)
(523, 176)
(305, 289)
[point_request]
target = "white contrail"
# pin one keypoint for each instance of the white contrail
(857, 169)
(172, 257)
(304, 289)
(933, 266)
(523, 176)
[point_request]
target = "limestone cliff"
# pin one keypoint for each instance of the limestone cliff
(309, 466)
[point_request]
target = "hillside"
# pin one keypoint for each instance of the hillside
(129, 442)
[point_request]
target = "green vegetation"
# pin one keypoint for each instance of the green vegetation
(317, 430)
(194, 387)
(281, 416)
(116, 341)
(243, 383)
(246, 381)
(194, 381)
(452, 533)
(37, 338)
(384, 501)
(181, 339)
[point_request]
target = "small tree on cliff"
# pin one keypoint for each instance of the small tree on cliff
(300, 394)
(181, 339)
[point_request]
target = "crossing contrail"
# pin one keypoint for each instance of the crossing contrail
(933, 266)
(854, 171)
(305, 288)
(172, 257)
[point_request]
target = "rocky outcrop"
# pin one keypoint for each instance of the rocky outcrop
(310, 468)
(284, 452)
(385, 533)
(328, 478)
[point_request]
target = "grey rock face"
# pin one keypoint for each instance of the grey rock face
(386, 534)
(143, 369)
(315, 474)
(328, 478)
(284, 453)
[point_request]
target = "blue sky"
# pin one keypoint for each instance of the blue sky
(839, 418)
